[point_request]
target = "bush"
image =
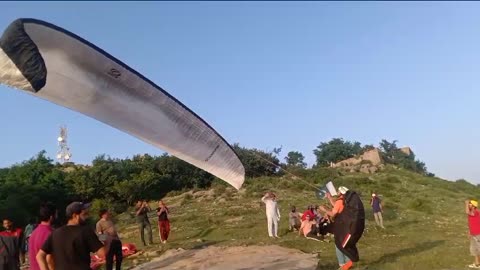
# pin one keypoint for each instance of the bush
(97, 205)
(393, 179)
(219, 190)
(420, 205)
(186, 199)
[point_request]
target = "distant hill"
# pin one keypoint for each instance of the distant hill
(426, 227)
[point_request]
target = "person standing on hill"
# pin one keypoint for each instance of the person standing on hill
(141, 211)
(107, 232)
(71, 244)
(338, 204)
(32, 224)
(273, 213)
(474, 227)
(376, 204)
(11, 246)
(40, 234)
(163, 222)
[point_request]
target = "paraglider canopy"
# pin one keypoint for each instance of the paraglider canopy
(56, 65)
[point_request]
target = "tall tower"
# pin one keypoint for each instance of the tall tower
(63, 154)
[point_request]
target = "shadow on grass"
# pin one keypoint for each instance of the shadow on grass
(326, 266)
(406, 252)
(406, 223)
(385, 258)
(204, 245)
(203, 233)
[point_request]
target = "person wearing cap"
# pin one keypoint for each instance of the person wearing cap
(376, 204)
(71, 245)
(471, 209)
(338, 205)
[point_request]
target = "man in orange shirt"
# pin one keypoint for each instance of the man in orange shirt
(338, 206)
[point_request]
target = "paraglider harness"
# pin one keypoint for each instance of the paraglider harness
(349, 225)
(353, 206)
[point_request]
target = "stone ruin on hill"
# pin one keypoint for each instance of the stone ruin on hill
(369, 162)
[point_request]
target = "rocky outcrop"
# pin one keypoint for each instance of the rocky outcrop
(407, 150)
(369, 162)
(372, 157)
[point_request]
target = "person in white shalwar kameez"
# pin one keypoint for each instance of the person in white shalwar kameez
(273, 213)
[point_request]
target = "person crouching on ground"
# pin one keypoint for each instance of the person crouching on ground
(474, 227)
(108, 234)
(308, 212)
(294, 219)
(163, 222)
(272, 212)
(309, 229)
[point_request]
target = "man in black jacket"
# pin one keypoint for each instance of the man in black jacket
(11, 246)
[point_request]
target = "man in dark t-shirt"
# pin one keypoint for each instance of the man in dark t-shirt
(141, 211)
(71, 244)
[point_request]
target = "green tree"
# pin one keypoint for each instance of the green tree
(367, 147)
(24, 186)
(393, 155)
(258, 163)
(336, 150)
(389, 150)
(295, 159)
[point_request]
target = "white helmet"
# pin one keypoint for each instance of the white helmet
(342, 190)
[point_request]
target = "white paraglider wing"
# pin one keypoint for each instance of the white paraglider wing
(56, 65)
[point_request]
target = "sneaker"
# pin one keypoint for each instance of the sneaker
(475, 266)
(347, 266)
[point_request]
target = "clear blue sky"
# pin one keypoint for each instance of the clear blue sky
(277, 73)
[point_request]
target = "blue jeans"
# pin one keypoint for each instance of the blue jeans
(342, 259)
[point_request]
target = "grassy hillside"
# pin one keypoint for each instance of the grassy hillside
(424, 220)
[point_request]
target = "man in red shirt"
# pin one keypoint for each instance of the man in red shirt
(38, 237)
(308, 212)
(11, 246)
(474, 226)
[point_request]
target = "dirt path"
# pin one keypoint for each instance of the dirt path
(233, 258)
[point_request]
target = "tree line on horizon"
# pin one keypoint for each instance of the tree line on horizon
(117, 183)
